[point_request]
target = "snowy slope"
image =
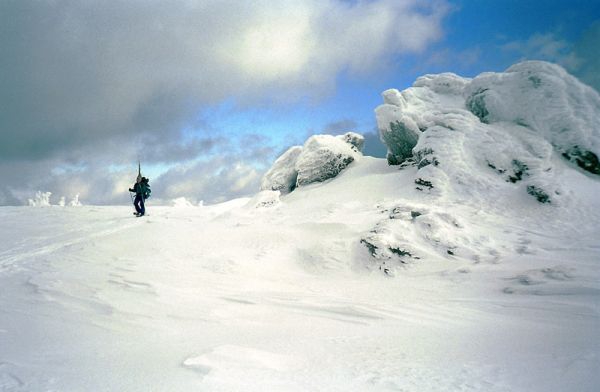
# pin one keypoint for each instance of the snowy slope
(370, 281)
(280, 297)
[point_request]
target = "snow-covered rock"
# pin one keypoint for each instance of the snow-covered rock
(282, 175)
(354, 139)
(496, 132)
(398, 132)
(263, 199)
(538, 96)
(181, 202)
(324, 157)
(544, 98)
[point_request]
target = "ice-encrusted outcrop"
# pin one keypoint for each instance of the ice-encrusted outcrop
(498, 142)
(512, 123)
(324, 157)
(282, 175)
(320, 158)
(540, 97)
(263, 199)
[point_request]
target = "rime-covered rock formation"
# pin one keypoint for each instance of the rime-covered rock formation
(282, 175)
(322, 157)
(540, 98)
(515, 124)
(510, 141)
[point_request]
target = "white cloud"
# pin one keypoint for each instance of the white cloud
(581, 57)
(212, 181)
(545, 47)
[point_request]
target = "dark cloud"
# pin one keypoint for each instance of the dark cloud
(155, 149)
(340, 127)
(373, 145)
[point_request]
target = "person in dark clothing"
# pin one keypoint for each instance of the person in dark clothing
(142, 191)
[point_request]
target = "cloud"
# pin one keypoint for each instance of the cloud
(581, 58)
(340, 127)
(97, 83)
(373, 145)
(544, 47)
(225, 169)
(212, 181)
(74, 72)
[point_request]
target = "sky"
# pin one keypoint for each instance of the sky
(207, 94)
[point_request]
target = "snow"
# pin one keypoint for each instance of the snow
(248, 295)
(444, 273)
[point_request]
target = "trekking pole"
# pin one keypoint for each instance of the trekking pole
(132, 202)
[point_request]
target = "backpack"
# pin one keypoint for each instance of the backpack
(146, 191)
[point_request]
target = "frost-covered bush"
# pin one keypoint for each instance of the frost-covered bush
(323, 157)
(282, 175)
(42, 199)
(75, 201)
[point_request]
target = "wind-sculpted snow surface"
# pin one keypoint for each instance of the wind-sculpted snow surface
(293, 293)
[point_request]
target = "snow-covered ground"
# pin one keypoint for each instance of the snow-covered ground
(279, 294)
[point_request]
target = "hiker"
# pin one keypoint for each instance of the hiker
(142, 192)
